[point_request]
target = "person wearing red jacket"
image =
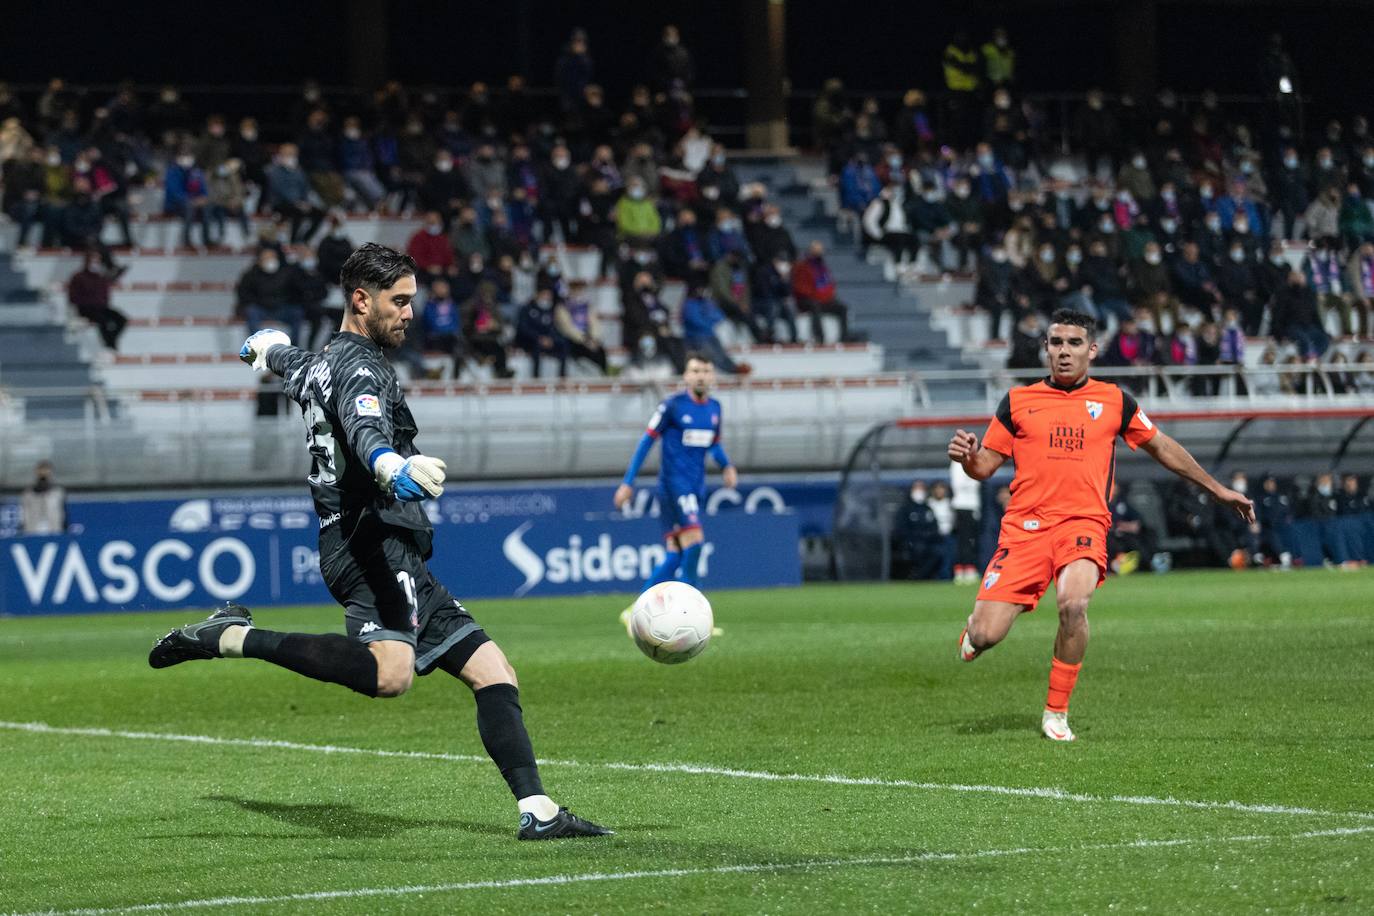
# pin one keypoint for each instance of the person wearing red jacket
(814, 288)
(431, 250)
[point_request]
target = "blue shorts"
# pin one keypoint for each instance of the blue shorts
(679, 513)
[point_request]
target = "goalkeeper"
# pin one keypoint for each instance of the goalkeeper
(368, 480)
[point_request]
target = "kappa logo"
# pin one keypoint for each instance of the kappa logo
(1094, 409)
(369, 627)
(365, 372)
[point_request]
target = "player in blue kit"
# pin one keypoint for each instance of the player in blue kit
(688, 423)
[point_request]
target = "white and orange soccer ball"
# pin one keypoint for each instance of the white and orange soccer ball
(671, 622)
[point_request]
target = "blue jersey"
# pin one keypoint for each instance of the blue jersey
(688, 429)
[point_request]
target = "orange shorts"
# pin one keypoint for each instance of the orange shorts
(1026, 562)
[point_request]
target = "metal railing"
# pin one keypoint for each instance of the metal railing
(111, 437)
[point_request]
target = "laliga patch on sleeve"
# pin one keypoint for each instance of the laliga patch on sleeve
(1144, 420)
(367, 405)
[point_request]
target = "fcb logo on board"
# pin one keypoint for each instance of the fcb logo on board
(1094, 409)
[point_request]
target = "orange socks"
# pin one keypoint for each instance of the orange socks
(1062, 679)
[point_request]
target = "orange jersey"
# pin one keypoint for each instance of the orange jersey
(1063, 442)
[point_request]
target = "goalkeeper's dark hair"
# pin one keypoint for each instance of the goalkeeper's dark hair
(374, 267)
(700, 356)
(1077, 319)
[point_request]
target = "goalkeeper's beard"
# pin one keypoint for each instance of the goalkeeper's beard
(381, 335)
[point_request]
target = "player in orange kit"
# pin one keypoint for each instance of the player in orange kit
(1061, 434)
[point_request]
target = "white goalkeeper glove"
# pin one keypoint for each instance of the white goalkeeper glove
(255, 348)
(409, 479)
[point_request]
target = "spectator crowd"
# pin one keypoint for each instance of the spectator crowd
(495, 176)
(1185, 228)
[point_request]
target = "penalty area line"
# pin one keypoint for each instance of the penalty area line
(746, 868)
(1041, 792)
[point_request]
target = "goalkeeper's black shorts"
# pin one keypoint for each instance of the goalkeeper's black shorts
(378, 573)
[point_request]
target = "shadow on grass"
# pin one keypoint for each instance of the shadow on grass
(338, 820)
(1002, 722)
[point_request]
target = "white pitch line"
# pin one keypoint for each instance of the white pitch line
(747, 868)
(1049, 793)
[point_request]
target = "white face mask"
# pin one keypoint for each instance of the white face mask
(999, 256)
(185, 161)
(1074, 257)
(1153, 257)
(985, 160)
(352, 133)
(1047, 257)
(270, 266)
(1138, 162)
(434, 230)
(918, 494)
(1107, 226)
(1168, 225)
(444, 165)
(961, 192)
(1241, 226)
(1324, 489)
(636, 193)
(1237, 255)
(1324, 163)
(561, 162)
(773, 221)
(1238, 485)
(710, 192)
(288, 162)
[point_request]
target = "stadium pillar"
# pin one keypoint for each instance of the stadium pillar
(368, 30)
(765, 74)
(1136, 40)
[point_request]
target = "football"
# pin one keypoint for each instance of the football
(671, 622)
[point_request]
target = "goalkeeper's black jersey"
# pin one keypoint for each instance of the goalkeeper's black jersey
(353, 406)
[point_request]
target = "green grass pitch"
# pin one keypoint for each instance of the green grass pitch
(1225, 763)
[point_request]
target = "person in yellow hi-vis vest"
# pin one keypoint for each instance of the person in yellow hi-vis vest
(999, 59)
(961, 79)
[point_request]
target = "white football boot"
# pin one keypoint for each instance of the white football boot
(1055, 726)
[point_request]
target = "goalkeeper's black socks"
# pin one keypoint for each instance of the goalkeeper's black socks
(501, 725)
(326, 657)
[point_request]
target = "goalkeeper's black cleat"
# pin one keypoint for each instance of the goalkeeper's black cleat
(562, 825)
(198, 640)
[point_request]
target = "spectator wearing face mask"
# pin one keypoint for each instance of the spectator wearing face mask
(484, 329)
(319, 151)
(431, 250)
(43, 504)
(1288, 183)
(1150, 284)
(1326, 173)
(536, 333)
(1193, 283)
(685, 250)
(1211, 239)
(1321, 506)
(1237, 280)
(1355, 518)
(1322, 218)
(358, 164)
(1325, 276)
(1134, 176)
(969, 224)
(916, 531)
(1356, 222)
(289, 195)
(578, 325)
(636, 216)
(1296, 318)
(1274, 513)
(228, 198)
(816, 293)
(727, 235)
(995, 292)
(859, 185)
(700, 318)
(264, 293)
(88, 291)
(186, 194)
(443, 187)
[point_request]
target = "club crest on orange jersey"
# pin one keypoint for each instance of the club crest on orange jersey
(1094, 409)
